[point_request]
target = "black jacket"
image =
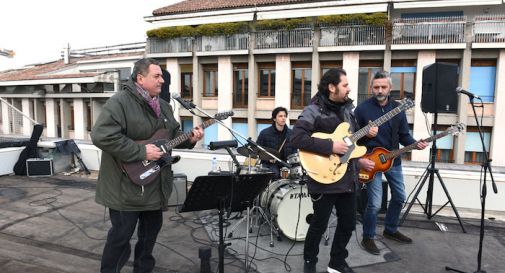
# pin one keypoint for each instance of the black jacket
(318, 117)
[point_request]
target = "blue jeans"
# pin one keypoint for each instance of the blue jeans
(374, 190)
(117, 248)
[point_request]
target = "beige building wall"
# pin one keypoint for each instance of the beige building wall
(225, 97)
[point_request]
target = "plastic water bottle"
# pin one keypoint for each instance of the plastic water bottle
(214, 165)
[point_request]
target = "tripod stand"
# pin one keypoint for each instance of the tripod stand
(485, 167)
(430, 173)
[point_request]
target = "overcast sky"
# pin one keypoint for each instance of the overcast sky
(37, 30)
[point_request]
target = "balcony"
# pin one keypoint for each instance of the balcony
(235, 42)
(349, 36)
(171, 46)
(282, 39)
(429, 31)
(489, 29)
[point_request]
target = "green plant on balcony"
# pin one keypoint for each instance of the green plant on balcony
(201, 30)
(374, 19)
(279, 24)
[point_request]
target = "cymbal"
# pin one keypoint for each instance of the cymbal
(255, 152)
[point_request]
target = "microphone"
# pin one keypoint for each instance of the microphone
(460, 90)
(214, 145)
(186, 104)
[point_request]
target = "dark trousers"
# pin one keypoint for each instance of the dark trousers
(323, 204)
(117, 248)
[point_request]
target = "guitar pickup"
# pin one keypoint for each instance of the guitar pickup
(149, 172)
(348, 141)
(382, 158)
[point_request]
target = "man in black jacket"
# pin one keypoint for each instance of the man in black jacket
(329, 108)
(277, 137)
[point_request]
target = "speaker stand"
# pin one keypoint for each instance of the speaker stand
(430, 173)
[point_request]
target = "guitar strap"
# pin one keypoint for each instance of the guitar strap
(395, 128)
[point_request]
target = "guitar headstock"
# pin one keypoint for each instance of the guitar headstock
(456, 128)
(223, 115)
(406, 104)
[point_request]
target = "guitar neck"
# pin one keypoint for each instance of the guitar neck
(180, 139)
(378, 122)
(412, 146)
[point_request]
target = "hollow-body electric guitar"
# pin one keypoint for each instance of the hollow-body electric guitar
(384, 159)
(145, 171)
(330, 169)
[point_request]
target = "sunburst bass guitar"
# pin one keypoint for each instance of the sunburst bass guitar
(330, 169)
(384, 159)
(145, 171)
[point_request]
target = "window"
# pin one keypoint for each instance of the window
(325, 66)
(240, 125)
(210, 81)
(300, 85)
(403, 75)
(473, 146)
(366, 71)
(482, 79)
(266, 78)
(187, 85)
(186, 124)
(445, 148)
(240, 85)
(210, 134)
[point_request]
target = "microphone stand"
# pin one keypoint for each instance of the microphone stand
(486, 166)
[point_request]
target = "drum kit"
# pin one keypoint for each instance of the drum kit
(285, 204)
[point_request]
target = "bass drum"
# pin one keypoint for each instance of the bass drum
(290, 206)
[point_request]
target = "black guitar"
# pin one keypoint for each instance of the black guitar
(30, 151)
(145, 171)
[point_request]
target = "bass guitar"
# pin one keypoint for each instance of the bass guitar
(330, 169)
(145, 171)
(384, 159)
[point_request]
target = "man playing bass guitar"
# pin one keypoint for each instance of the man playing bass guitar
(390, 134)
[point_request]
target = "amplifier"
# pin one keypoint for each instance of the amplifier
(179, 190)
(39, 167)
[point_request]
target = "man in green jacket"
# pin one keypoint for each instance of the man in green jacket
(133, 114)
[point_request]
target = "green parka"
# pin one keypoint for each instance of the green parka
(126, 118)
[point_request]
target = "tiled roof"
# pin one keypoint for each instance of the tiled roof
(40, 71)
(207, 5)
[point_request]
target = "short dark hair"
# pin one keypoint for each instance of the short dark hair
(331, 76)
(276, 111)
(142, 67)
(381, 74)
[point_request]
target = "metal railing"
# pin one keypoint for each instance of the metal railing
(442, 30)
(352, 35)
(174, 45)
(489, 29)
(271, 39)
(217, 43)
(106, 50)
(14, 121)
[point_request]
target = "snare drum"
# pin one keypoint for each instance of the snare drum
(289, 203)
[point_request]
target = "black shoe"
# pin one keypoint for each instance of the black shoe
(397, 236)
(370, 246)
(340, 269)
(309, 267)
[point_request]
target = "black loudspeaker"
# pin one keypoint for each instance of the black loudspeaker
(440, 81)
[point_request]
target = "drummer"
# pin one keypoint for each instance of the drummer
(276, 137)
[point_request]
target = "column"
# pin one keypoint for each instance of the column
(80, 119)
(197, 90)
(252, 86)
(64, 118)
(497, 146)
(225, 96)
(316, 64)
(424, 58)
(51, 118)
(174, 69)
(6, 118)
(283, 81)
(27, 116)
(350, 63)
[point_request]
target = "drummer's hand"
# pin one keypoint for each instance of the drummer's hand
(339, 147)
(366, 164)
(272, 161)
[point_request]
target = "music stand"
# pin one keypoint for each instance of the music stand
(69, 146)
(221, 192)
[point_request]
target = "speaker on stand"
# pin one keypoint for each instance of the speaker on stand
(440, 81)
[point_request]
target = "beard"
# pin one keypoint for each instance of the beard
(381, 98)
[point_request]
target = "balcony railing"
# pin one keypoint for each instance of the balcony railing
(175, 45)
(489, 29)
(217, 43)
(352, 35)
(442, 30)
(272, 39)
